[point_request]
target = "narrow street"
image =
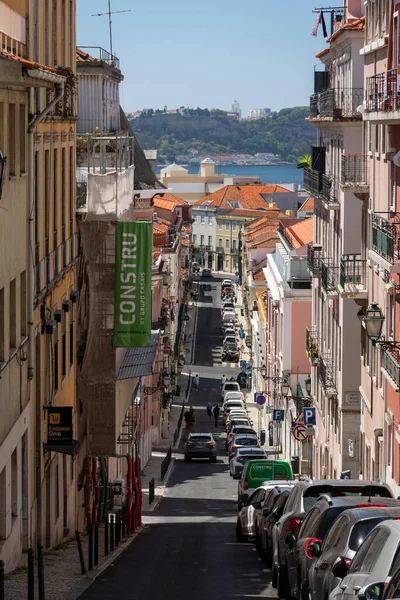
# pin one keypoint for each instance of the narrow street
(188, 547)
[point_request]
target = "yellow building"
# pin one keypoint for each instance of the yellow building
(54, 248)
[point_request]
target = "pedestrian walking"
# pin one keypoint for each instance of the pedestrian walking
(223, 380)
(188, 419)
(192, 416)
(209, 410)
(196, 382)
(216, 411)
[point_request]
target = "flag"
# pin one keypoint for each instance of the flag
(324, 31)
(317, 23)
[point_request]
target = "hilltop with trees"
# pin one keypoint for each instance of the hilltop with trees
(214, 132)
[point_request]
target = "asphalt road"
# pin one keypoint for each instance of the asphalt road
(188, 547)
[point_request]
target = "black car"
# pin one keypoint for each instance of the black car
(267, 522)
(314, 529)
(301, 499)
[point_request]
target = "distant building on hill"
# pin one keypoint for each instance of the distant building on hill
(235, 108)
(259, 113)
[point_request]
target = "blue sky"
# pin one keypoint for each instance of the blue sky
(208, 53)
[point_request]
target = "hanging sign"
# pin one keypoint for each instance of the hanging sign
(133, 305)
(59, 425)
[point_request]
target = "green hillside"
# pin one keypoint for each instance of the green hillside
(285, 132)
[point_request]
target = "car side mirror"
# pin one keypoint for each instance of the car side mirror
(257, 505)
(290, 539)
(314, 549)
(339, 568)
(373, 591)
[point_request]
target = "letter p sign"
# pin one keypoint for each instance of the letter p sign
(309, 416)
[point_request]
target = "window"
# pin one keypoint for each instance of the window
(227, 226)
(333, 537)
(71, 196)
(210, 240)
(233, 226)
(46, 197)
(13, 313)
(11, 140)
(383, 138)
(22, 139)
(22, 295)
(395, 55)
(220, 242)
(2, 328)
(210, 220)
(389, 445)
(219, 225)
(195, 218)
(203, 219)
(71, 341)
(365, 559)
(63, 206)
(202, 240)
(393, 187)
(194, 238)
(55, 360)
(226, 243)
(55, 201)
(234, 244)
(46, 33)
(227, 264)
(64, 350)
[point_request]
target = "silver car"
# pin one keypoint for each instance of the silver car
(245, 441)
(200, 445)
(241, 456)
(374, 564)
(232, 431)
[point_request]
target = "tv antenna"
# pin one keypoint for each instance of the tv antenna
(109, 13)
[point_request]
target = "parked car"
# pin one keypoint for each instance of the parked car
(242, 440)
(229, 386)
(392, 592)
(245, 523)
(226, 283)
(266, 521)
(228, 324)
(227, 291)
(229, 331)
(315, 527)
(301, 499)
(200, 445)
(257, 471)
(241, 420)
(241, 456)
(206, 273)
(229, 395)
(195, 267)
(227, 305)
(229, 339)
(238, 429)
(343, 540)
(233, 416)
(373, 566)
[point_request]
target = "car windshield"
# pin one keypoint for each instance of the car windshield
(246, 441)
(231, 386)
(200, 438)
(361, 530)
(256, 452)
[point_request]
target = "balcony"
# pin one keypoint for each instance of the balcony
(391, 367)
(102, 55)
(234, 250)
(340, 103)
(313, 182)
(314, 260)
(220, 249)
(312, 345)
(386, 239)
(327, 375)
(382, 93)
(354, 173)
(353, 276)
(321, 185)
(139, 202)
(329, 276)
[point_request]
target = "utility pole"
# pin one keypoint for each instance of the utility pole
(109, 13)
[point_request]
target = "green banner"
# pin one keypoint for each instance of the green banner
(133, 306)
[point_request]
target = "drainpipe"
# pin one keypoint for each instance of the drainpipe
(59, 85)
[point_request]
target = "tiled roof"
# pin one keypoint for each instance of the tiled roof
(186, 229)
(156, 256)
(30, 64)
(160, 228)
(248, 212)
(185, 242)
(300, 234)
(322, 53)
(261, 227)
(168, 201)
(308, 205)
(264, 241)
(82, 56)
(248, 196)
(358, 24)
(138, 362)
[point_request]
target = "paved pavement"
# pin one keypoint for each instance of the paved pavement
(188, 546)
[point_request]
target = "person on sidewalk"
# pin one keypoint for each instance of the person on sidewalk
(188, 419)
(196, 382)
(192, 416)
(209, 410)
(216, 411)
(223, 380)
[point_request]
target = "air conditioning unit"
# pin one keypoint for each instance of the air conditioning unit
(119, 491)
(58, 315)
(50, 326)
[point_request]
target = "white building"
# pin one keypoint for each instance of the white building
(235, 108)
(204, 229)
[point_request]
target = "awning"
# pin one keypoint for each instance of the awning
(71, 449)
(138, 362)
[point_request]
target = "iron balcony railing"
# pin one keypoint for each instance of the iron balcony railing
(329, 189)
(391, 364)
(329, 275)
(234, 250)
(352, 272)
(382, 92)
(312, 344)
(327, 374)
(99, 53)
(339, 103)
(385, 235)
(220, 249)
(313, 181)
(354, 169)
(314, 259)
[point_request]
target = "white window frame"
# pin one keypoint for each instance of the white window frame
(209, 219)
(219, 225)
(203, 220)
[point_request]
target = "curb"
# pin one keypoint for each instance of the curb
(161, 489)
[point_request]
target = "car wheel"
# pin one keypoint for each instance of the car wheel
(282, 583)
(239, 532)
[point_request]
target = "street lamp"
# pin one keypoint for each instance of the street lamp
(373, 322)
(307, 383)
(285, 388)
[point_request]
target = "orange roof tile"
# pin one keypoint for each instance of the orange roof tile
(30, 64)
(185, 242)
(248, 212)
(308, 205)
(168, 201)
(322, 53)
(358, 24)
(248, 196)
(300, 234)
